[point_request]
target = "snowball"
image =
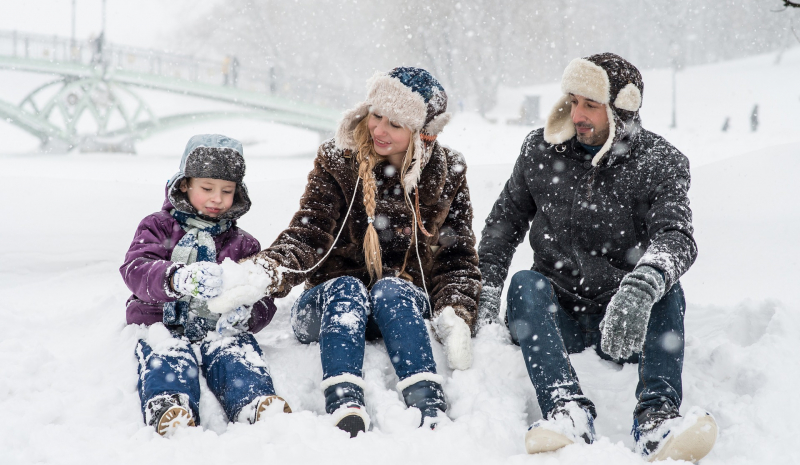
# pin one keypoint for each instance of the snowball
(242, 284)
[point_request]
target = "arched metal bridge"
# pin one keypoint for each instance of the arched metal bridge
(97, 83)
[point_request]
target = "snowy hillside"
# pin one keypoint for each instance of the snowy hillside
(68, 373)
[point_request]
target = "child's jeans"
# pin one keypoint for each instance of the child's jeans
(342, 314)
(233, 366)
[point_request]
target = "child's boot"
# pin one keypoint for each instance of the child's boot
(424, 391)
(257, 409)
(344, 400)
(169, 412)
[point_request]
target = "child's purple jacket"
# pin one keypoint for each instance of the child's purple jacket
(147, 268)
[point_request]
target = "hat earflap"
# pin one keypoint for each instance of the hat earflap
(344, 137)
(629, 98)
(559, 127)
(420, 158)
(612, 134)
(437, 124)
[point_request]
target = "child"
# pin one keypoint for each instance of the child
(172, 268)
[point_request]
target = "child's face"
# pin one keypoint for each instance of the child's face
(211, 197)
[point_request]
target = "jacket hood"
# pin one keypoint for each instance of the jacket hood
(608, 79)
(211, 156)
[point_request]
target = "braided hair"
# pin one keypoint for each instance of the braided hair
(367, 158)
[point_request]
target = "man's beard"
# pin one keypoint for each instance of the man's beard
(595, 137)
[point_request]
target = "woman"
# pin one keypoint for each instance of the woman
(383, 239)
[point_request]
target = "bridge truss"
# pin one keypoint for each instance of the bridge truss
(94, 104)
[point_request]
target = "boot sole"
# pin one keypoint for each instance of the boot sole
(174, 418)
(539, 440)
(262, 407)
(691, 445)
(352, 424)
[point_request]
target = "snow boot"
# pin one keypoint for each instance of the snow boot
(344, 400)
(169, 412)
(424, 392)
(564, 425)
(256, 410)
(663, 434)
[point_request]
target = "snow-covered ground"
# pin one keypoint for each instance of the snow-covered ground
(68, 373)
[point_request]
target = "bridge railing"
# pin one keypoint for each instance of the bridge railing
(227, 71)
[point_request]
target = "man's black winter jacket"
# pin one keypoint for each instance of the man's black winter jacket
(590, 225)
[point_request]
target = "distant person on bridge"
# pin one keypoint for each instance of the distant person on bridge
(172, 269)
(611, 230)
(383, 240)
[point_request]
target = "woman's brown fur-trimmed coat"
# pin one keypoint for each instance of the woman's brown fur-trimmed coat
(449, 259)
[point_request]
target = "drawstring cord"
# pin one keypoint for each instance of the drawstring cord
(417, 220)
(344, 222)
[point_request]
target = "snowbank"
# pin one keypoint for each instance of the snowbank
(68, 379)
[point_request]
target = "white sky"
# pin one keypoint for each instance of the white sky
(143, 23)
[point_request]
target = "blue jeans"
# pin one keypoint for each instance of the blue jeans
(341, 314)
(547, 334)
(234, 378)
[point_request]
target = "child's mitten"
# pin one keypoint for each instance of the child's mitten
(201, 280)
(234, 322)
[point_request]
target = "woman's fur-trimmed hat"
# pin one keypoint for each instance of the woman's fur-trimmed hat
(605, 78)
(408, 96)
(211, 156)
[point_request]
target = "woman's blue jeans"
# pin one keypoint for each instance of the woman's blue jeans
(232, 376)
(341, 314)
(547, 334)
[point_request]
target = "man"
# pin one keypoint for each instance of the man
(610, 227)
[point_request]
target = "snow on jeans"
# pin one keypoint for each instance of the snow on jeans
(233, 366)
(547, 334)
(342, 314)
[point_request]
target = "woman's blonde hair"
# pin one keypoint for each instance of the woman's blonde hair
(367, 159)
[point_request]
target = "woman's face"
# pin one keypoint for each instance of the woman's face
(390, 139)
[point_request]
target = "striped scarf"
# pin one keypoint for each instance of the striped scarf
(197, 245)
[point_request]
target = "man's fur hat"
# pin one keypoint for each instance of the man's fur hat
(605, 78)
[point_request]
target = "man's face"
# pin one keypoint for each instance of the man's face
(590, 119)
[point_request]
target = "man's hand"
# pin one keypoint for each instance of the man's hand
(625, 325)
(456, 337)
(201, 280)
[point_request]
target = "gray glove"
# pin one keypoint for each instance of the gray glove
(625, 325)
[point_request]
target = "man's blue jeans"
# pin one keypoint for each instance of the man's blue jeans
(233, 368)
(547, 334)
(342, 314)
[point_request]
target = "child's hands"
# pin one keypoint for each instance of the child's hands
(202, 280)
(234, 322)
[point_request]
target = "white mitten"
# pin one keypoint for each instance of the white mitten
(201, 280)
(456, 337)
(244, 283)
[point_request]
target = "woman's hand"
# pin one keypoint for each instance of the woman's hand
(456, 337)
(245, 283)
